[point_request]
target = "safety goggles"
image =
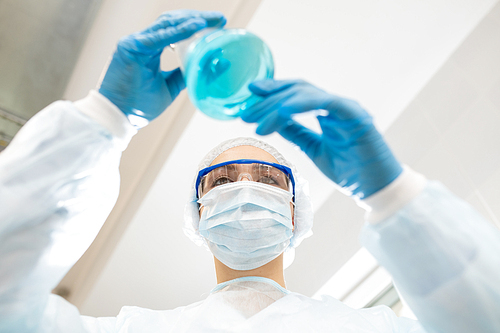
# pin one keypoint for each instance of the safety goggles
(254, 170)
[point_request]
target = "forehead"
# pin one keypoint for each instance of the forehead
(244, 152)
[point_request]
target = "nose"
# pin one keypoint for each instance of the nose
(244, 177)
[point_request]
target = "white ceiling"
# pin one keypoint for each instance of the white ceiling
(379, 52)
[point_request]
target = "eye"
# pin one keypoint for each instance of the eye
(221, 181)
(268, 180)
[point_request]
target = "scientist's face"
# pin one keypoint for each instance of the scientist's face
(246, 152)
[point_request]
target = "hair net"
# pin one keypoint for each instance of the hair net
(303, 213)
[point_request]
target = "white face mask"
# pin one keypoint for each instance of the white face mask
(246, 224)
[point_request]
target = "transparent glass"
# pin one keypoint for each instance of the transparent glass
(219, 66)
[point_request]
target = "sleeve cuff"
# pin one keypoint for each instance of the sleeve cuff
(393, 197)
(104, 112)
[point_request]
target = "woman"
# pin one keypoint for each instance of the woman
(63, 166)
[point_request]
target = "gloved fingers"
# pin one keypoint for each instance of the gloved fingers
(175, 82)
(308, 140)
(282, 99)
(268, 104)
(357, 125)
(346, 109)
(214, 19)
(273, 113)
(307, 98)
(278, 116)
(290, 97)
(174, 18)
(277, 108)
(270, 86)
(156, 41)
(310, 97)
(335, 133)
(153, 43)
(165, 22)
(304, 101)
(270, 123)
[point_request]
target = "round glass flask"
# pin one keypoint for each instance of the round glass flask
(219, 65)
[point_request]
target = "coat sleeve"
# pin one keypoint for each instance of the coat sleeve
(443, 255)
(59, 181)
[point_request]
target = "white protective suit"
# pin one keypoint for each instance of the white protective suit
(59, 181)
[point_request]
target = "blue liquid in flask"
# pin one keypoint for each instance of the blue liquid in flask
(219, 67)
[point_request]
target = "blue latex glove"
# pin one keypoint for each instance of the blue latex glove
(134, 81)
(350, 151)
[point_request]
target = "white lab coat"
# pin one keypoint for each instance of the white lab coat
(59, 181)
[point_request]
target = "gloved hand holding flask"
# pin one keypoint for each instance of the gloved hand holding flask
(134, 81)
(350, 151)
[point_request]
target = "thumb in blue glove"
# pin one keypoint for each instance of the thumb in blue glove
(134, 81)
(350, 151)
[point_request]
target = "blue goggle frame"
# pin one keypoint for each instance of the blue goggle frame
(286, 170)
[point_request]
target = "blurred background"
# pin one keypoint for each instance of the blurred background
(428, 70)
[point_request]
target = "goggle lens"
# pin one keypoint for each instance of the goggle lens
(257, 172)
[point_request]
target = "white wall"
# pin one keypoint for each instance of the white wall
(450, 131)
